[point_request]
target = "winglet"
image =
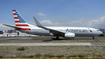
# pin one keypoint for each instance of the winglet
(37, 22)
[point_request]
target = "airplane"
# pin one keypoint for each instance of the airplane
(66, 32)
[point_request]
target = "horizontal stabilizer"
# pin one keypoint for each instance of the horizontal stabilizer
(11, 26)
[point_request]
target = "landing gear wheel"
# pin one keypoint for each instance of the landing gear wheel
(57, 37)
(93, 37)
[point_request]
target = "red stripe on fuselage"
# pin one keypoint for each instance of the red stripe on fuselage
(23, 29)
(15, 17)
(22, 25)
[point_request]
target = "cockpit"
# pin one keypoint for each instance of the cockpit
(98, 29)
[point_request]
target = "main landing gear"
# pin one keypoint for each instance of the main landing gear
(57, 37)
(93, 37)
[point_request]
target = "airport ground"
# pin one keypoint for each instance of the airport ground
(44, 39)
(51, 51)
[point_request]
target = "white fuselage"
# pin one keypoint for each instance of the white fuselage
(78, 31)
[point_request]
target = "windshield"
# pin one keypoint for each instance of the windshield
(98, 29)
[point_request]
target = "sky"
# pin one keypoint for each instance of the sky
(78, 13)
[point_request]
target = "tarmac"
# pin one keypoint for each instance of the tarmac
(52, 44)
(30, 38)
(47, 44)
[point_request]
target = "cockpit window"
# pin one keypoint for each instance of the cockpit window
(98, 30)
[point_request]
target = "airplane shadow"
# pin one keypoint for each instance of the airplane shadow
(54, 39)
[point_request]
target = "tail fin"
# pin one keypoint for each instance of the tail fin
(20, 22)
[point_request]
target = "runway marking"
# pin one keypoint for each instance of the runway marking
(52, 44)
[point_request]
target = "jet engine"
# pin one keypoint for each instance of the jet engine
(69, 35)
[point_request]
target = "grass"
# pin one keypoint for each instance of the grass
(59, 56)
(1, 56)
(52, 51)
(38, 55)
(72, 56)
(21, 49)
(51, 56)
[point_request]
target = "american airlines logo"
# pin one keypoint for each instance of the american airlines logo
(90, 30)
(77, 30)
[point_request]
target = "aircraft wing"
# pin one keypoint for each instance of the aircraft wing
(11, 26)
(55, 32)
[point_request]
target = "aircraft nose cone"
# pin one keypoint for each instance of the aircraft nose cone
(101, 34)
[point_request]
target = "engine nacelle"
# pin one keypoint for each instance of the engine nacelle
(69, 35)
